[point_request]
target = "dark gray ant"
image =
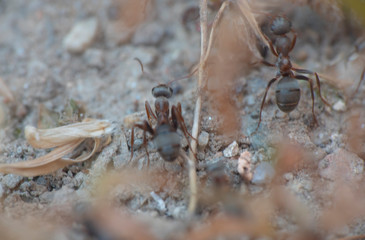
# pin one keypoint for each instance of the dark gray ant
(164, 135)
(287, 90)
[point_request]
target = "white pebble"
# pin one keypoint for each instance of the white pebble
(81, 36)
(339, 106)
(232, 150)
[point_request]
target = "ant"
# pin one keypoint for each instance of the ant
(287, 90)
(164, 135)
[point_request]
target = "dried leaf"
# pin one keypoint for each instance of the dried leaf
(49, 162)
(42, 165)
(53, 137)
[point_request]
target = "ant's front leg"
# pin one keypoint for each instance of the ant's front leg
(271, 46)
(146, 128)
(178, 120)
(149, 112)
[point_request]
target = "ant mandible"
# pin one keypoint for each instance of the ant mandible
(287, 90)
(164, 135)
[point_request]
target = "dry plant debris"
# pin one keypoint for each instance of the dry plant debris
(65, 140)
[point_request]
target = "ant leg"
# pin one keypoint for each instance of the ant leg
(149, 112)
(271, 46)
(358, 85)
(263, 100)
(145, 127)
(301, 77)
(294, 40)
(300, 70)
(178, 119)
(305, 71)
(181, 119)
(319, 90)
(267, 63)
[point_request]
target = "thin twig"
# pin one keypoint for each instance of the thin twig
(196, 124)
(192, 182)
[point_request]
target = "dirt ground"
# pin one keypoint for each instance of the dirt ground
(300, 181)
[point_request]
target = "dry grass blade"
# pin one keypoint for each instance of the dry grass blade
(42, 165)
(198, 105)
(53, 137)
(66, 139)
(254, 28)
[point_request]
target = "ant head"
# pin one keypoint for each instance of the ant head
(280, 25)
(162, 90)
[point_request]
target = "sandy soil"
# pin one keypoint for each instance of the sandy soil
(302, 181)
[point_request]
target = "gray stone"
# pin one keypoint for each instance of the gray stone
(250, 100)
(341, 165)
(46, 197)
(11, 180)
(81, 36)
(263, 173)
(232, 150)
(78, 179)
(94, 58)
(203, 139)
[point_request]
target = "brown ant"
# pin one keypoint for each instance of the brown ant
(287, 90)
(164, 135)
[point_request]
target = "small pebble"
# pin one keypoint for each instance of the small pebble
(250, 100)
(339, 106)
(11, 180)
(94, 58)
(232, 150)
(81, 36)
(160, 202)
(263, 173)
(78, 179)
(203, 139)
(244, 166)
(288, 176)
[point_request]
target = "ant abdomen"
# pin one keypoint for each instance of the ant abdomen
(287, 94)
(280, 25)
(167, 142)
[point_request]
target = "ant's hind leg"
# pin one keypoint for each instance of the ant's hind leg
(301, 77)
(146, 128)
(263, 101)
(358, 85)
(319, 90)
(305, 71)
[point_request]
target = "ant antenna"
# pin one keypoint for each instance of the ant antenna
(170, 82)
(184, 77)
(147, 74)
